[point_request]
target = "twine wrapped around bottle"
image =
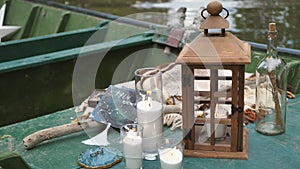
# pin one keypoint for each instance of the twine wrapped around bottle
(272, 76)
(278, 116)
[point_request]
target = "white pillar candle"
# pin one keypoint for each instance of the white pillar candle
(132, 147)
(149, 115)
(171, 158)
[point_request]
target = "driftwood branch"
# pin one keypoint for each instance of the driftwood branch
(171, 109)
(46, 134)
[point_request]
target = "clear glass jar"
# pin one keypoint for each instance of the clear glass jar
(271, 86)
(149, 105)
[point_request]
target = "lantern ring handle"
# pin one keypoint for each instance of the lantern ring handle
(202, 12)
(227, 13)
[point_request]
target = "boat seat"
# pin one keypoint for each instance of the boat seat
(73, 53)
(11, 160)
(17, 49)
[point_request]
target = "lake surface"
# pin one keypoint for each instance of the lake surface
(248, 18)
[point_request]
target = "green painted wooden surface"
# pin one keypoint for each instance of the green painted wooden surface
(30, 47)
(41, 20)
(72, 53)
(37, 20)
(276, 152)
(46, 29)
(45, 85)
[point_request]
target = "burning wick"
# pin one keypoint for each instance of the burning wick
(148, 93)
(133, 129)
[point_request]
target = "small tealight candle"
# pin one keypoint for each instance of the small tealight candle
(132, 149)
(171, 158)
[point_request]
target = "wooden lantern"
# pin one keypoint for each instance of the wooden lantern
(215, 52)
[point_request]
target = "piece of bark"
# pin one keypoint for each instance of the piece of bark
(46, 134)
(171, 109)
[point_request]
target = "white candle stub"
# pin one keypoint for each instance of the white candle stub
(132, 147)
(171, 158)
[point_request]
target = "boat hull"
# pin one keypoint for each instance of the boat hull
(44, 82)
(44, 85)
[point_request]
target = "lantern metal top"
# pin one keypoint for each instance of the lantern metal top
(214, 20)
(211, 49)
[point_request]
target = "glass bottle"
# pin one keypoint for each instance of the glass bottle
(271, 86)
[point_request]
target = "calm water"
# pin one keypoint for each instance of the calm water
(248, 18)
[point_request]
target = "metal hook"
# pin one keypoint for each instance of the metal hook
(202, 13)
(227, 13)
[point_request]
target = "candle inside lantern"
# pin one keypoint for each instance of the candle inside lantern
(132, 149)
(171, 158)
(149, 115)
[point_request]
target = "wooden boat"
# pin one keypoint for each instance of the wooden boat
(40, 57)
(47, 70)
(44, 85)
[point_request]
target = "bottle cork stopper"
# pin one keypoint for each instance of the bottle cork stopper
(272, 27)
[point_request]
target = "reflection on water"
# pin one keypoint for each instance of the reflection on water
(248, 18)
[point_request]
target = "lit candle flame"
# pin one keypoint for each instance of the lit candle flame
(148, 93)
